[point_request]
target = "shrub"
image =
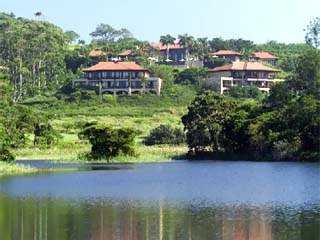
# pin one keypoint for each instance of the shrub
(108, 142)
(165, 134)
(6, 155)
(44, 135)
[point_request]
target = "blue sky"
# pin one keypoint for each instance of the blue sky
(256, 20)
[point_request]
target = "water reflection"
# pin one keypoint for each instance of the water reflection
(203, 200)
(48, 218)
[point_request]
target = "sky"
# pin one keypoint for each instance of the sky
(256, 20)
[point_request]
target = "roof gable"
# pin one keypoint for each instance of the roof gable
(244, 66)
(226, 53)
(164, 47)
(115, 66)
(264, 55)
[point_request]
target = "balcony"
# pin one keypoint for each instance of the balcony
(115, 86)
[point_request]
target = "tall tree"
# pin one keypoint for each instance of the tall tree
(72, 36)
(167, 40)
(313, 33)
(204, 47)
(186, 41)
(33, 51)
(106, 33)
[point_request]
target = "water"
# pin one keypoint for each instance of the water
(178, 200)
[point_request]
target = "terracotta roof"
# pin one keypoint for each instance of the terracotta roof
(113, 66)
(226, 53)
(264, 55)
(164, 47)
(244, 66)
(96, 53)
(125, 53)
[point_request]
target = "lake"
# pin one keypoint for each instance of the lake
(174, 200)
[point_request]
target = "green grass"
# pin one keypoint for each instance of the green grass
(141, 112)
(144, 154)
(13, 168)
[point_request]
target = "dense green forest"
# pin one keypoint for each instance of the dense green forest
(39, 106)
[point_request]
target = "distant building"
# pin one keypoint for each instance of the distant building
(243, 74)
(126, 55)
(228, 54)
(264, 58)
(99, 55)
(177, 56)
(120, 77)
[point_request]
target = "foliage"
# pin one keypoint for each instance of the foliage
(167, 40)
(245, 92)
(192, 76)
(72, 36)
(44, 134)
(105, 32)
(204, 120)
(108, 142)
(33, 53)
(313, 33)
(212, 62)
(5, 102)
(6, 155)
(166, 73)
(285, 126)
(165, 134)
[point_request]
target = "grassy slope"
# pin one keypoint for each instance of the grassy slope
(140, 112)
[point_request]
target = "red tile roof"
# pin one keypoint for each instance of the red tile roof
(244, 66)
(226, 53)
(264, 55)
(125, 53)
(164, 47)
(114, 66)
(96, 53)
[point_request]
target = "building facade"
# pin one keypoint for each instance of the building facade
(177, 56)
(119, 77)
(228, 54)
(264, 58)
(243, 74)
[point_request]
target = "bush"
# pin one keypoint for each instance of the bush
(44, 135)
(6, 155)
(165, 134)
(108, 142)
(245, 92)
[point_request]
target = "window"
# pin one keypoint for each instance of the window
(125, 75)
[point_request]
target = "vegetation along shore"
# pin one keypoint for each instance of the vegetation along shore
(119, 99)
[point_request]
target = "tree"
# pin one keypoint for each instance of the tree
(167, 40)
(165, 134)
(245, 92)
(204, 47)
(72, 36)
(186, 41)
(192, 76)
(33, 52)
(313, 33)
(5, 102)
(204, 121)
(166, 73)
(306, 79)
(108, 142)
(107, 33)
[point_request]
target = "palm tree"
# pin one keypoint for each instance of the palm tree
(186, 41)
(166, 40)
(204, 46)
